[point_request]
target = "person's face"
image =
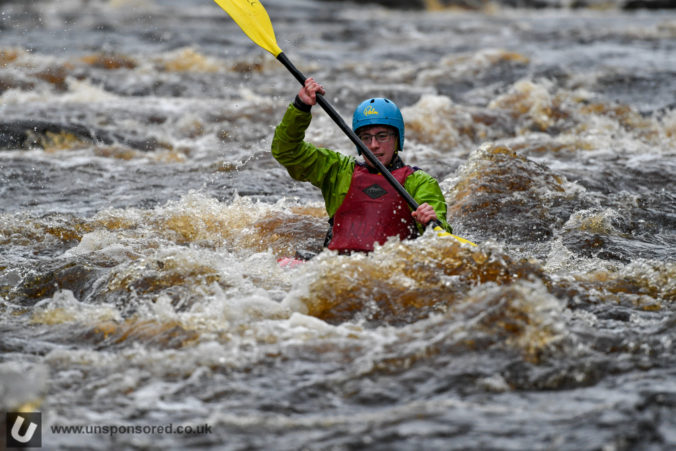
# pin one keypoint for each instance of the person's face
(381, 141)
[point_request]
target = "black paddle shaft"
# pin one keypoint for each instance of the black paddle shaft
(321, 100)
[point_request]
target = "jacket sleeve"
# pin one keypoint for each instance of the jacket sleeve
(329, 171)
(424, 188)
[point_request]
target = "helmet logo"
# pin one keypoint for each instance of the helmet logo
(369, 110)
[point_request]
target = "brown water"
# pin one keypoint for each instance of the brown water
(141, 216)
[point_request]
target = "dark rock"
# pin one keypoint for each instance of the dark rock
(26, 134)
(649, 4)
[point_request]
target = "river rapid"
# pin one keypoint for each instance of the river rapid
(142, 216)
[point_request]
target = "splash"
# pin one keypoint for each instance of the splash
(63, 307)
(110, 61)
(642, 284)
(9, 56)
(435, 120)
(532, 104)
(189, 60)
(401, 282)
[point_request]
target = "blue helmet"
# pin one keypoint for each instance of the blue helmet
(379, 111)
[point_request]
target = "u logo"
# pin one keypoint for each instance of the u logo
(20, 436)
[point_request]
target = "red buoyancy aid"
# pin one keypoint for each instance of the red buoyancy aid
(371, 212)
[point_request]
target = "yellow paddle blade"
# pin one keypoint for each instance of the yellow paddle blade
(442, 232)
(254, 21)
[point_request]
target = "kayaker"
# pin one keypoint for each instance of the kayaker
(362, 206)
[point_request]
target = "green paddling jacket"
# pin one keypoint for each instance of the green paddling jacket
(331, 171)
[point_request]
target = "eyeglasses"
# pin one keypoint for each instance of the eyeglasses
(380, 137)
